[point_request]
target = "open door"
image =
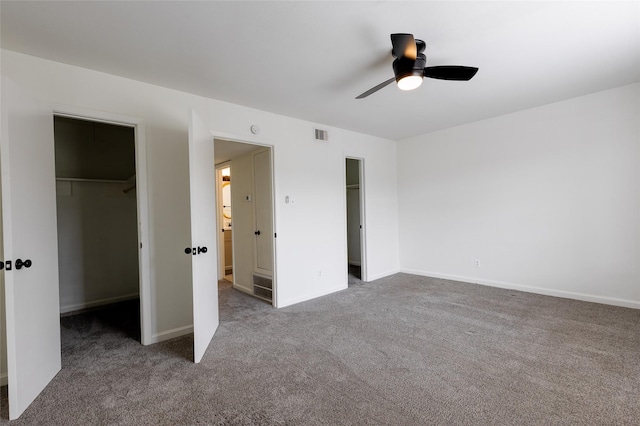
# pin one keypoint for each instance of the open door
(203, 248)
(30, 246)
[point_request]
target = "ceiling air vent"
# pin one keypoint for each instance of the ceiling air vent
(322, 135)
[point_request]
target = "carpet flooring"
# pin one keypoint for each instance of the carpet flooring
(403, 350)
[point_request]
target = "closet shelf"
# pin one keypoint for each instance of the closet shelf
(90, 180)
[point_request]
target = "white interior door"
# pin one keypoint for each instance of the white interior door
(203, 235)
(30, 246)
(263, 212)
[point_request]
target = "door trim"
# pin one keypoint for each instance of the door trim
(363, 217)
(142, 196)
(267, 143)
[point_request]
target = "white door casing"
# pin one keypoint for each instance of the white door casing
(29, 232)
(363, 229)
(361, 235)
(144, 261)
(203, 234)
(263, 212)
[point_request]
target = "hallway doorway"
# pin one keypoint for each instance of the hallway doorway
(246, 237)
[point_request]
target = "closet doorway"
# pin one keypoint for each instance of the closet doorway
(98, 225)
(355, 213)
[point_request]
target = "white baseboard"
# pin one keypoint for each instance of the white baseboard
(293, 301)
(170, 334)
(383, 275)
(86, 305)
(4, 379)
(530, 289)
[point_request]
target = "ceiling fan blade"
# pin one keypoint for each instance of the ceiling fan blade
(450, 72)
(404, 46)
(375, 89)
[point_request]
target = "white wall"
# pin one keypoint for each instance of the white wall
(547, 199)
(380, 188)
(97, 244)
(311, 232)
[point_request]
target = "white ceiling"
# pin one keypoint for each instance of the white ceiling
(311, 59)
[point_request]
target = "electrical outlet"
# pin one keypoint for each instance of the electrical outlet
(319, 273)
(476, 263)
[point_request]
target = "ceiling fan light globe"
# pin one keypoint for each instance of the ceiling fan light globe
(410, 82)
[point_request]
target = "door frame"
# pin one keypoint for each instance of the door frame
(220, 220)
(266, 143)
(363, 216)
(142, 197)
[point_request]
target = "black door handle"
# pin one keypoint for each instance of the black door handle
(195, 250)
(20, 263)
(257, 232)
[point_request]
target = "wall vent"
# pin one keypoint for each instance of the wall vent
(322, 135)
(263, 287)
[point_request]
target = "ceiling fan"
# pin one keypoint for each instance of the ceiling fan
(410, 67)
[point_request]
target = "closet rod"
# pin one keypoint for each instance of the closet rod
(90, 180)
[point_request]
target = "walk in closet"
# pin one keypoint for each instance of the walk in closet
(97, 216)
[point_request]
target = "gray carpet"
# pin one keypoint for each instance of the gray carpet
(354, 276)
(403, 350)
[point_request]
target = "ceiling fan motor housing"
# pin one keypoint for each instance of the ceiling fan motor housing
(403, 67)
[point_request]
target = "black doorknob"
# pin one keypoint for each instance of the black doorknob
(20, 263)
(257, 232)
(187, 250)
(202, 249)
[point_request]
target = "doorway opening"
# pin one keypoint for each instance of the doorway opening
(98, 227)
(223, 191)
(355, 220)
(246, 219)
